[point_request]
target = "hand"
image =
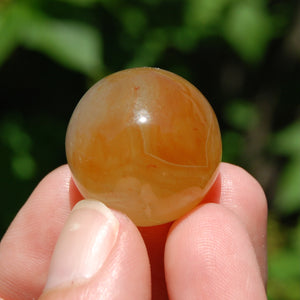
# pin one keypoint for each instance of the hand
(217, 251)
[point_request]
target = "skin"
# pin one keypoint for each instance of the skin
(216, 251)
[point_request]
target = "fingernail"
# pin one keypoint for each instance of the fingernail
(83, 245)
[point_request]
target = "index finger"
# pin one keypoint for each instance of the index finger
(26, 248)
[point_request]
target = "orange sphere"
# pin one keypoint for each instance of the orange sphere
(146, 142)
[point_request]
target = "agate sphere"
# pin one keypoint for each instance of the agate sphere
(146, 142)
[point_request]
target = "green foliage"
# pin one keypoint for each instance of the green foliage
(233, 143)
(287, 199)
(241, 115)
(8, 33)
(249, 29)
(287, 143)
(82, 2)
(246, 25)
(19, 142)
(284, 256)
(71, 43)
(242, 54)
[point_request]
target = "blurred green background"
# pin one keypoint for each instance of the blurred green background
(243, 55)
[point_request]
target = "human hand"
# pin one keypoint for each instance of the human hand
(217, 251)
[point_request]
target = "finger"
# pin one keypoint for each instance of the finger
(98, 255)
(26, 247)
(237, 191)
(243, 195)
(209, 255)
(207, 233)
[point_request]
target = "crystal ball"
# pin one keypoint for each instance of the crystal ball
(146, 142)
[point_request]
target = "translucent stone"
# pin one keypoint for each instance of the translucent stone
(145, 142)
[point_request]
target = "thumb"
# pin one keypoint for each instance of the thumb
(99, 255)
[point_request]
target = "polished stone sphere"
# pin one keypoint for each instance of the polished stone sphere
(146, 142)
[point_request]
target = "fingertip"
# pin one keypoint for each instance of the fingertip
(242, 194)
(99, 254)
(238, 179)
(84, 244)
(206, 252)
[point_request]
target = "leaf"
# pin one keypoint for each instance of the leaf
(73, 44)
(284, 273)
(87, 3)
(81, 2)
(15, 137)
(284, 263)
(205, 12)
(18, 141)
(134, 21)
(150, 50)
(23, 166)
(287, 141)
(287, 199)
(241, 114)
(248, 28)
(8, 32)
